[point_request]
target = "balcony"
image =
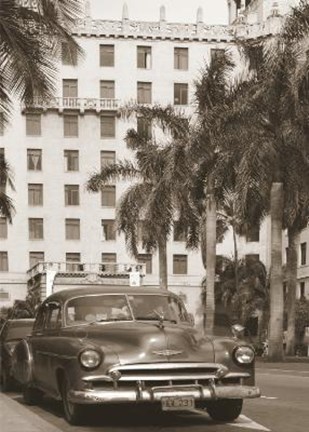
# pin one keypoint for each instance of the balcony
(72, 103)
(77, 269)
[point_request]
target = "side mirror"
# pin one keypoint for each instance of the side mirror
(191, 319)
(238, 330)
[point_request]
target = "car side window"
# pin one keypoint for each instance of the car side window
(39, 322)
(53, 320)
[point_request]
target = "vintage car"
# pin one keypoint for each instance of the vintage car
(12, 331)
(117, 344)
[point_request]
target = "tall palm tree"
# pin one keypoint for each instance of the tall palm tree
(6, 180)
(275, 152)
(159, 173)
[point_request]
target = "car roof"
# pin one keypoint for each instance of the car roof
(68, 293)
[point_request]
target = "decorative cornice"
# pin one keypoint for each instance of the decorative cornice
(175, 31)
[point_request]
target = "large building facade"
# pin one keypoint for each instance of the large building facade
(55, 145)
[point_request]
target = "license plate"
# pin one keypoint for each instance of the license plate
(177, 403)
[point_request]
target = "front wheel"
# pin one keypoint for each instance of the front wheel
(225, 410)
(31, 395)
(73, 412)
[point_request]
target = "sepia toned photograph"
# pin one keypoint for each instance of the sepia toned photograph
(154, 215)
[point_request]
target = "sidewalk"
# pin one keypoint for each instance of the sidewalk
(14, 417)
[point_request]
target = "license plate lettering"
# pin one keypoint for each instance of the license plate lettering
(177, 403)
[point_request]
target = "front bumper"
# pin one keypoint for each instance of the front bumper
(155, 394)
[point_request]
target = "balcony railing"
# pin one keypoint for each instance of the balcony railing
(73, 103)
(79, 269)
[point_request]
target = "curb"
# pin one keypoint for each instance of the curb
(15, 417)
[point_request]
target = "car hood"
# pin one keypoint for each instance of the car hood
(144, 342)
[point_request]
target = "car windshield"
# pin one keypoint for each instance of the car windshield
(144, 307)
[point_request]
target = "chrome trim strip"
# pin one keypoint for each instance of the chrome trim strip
(169, 365)
(54, 355)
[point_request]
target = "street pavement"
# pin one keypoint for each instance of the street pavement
(283, 407)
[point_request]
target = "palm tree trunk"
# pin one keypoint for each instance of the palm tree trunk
(275, 352)
(235, 259)
(211, 215)
(291, 271)
(163, 264)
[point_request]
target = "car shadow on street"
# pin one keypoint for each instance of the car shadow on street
(134, 416)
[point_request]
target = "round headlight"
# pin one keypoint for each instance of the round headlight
(244, 355)
(90, 359)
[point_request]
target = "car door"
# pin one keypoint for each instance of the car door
(37, 346)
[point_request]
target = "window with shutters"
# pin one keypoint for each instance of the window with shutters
(68, 54)
(73, 263)
(180, 264)
(71, 160)
(144, 128)
(71, 193)
(36, 229)
(146, 259)
(144, 57)
(108, 196)
(3, 228)
(107, 158)
(35, 257)
(33, 124)
(4, 261)
(34, 159)
(108, 126)
(35, 194)
(144, 92)
(180, 94)
(181, 58)
(107, 89)
(72, 229)
(108, 229)
(70, 88)
(70, 125)
(107, 55)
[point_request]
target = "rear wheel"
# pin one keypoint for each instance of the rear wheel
(225, 410)
(73, 412)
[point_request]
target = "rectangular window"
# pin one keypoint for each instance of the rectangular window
(70, 125)
(107, 55)
(71, 160)
(34, 159)
(303, 253)
(33, 124)
(4, 261)
(179, 232)
(1, 124)
(180, 265)
(216, 53)
(180, 94)
(107, 89)
(35, 194)
(108, 229)
(144, 57)
(73, 262)
(144, 92)
(253, 234)
(181, 58)
(3, 228)
(146, 259)
(108, 126)
(72, 229)
(302, 289)
(71, 193)
(36, 229)
(144, 128)
(107, 158)
(108, 196)
(68, 54)
(140, 230)
(35, 257)
(69, 88)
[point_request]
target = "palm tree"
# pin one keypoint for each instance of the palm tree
(6, 180)
(158, 193)
(30, 38)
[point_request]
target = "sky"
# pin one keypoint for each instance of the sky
(214, 11)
